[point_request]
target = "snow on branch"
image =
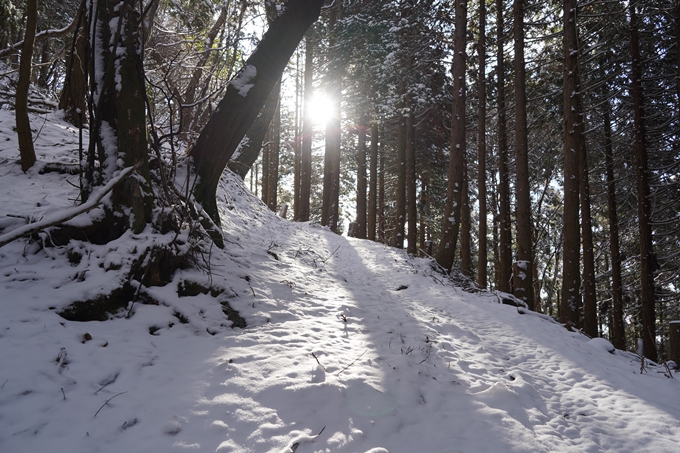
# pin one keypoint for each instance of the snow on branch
(53, 33)
(68, 214)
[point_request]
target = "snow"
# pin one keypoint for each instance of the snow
(337, 357)
(243, 81)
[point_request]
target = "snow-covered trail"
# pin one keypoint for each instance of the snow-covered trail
(351, 346)
(402, 363)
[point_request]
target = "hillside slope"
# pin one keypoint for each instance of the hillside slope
(351, 346)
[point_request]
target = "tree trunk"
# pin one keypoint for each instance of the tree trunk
(450, 225)
(525, 290)
(265, 164)
(361, 179)
(249, 149)
(504, 227)
(400, 220)
(674, 342)
(26, 149)
(381, 197)
(119, 112)
(307, 131)
(245, 96)
(74, 94)
(569, 314)
(373, 183)
(643, 195)
(466, 229)
(423, 231)
(297, 142)
(331, 181)
(333, 144)
(411, 183)
(274, 152)
(589, 291)
(617, 337)
(482, 276)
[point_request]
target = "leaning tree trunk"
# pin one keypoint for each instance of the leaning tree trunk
(249, 149)
(246, 95)
(26, 149)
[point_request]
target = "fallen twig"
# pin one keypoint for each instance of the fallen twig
(107, 402)
(322, 367)
(362, 354)
(329, 256)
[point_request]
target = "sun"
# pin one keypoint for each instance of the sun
(320, 109)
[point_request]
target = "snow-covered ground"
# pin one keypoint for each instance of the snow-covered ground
(351, 346)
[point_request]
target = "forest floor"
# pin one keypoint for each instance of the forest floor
(351, 346)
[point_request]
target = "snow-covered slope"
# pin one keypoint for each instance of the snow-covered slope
(351, 346)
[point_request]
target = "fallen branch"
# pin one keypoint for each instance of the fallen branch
(69, 214)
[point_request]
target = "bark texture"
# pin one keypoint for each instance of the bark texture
(644, 206)
(524, 287)
(569, 310)
(26, 149)
(451, 222)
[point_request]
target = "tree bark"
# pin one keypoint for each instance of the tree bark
(373, 183)
(23, 124)
(381, 196)
(249, 149)
(569, 313)
(74, 94)
(617, 337)
(361, 179)
(274, 152)
(525, 290)
(590, 327)
(245, 96)
(482, 275)
(297, 142)
(504, 228)
(331, 183)
(643, 195)
(411, 183)
(451, 222)
(307, 131)
(400, 189)
(466, 228)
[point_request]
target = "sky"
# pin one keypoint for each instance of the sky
(350, 345)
